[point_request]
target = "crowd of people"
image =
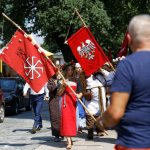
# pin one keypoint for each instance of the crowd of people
(126, 106)
(67, 115)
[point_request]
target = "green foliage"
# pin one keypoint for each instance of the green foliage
(121, 12)
(56, 17)
(107, 20)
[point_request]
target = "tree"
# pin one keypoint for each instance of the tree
(106, 19)
(3, 8)
(53, 18)
(121, 12)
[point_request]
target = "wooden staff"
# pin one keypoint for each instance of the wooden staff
(86, 27)
(80, 18)
(111, 66)
(58, 72)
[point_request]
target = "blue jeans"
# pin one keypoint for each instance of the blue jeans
(37, 103)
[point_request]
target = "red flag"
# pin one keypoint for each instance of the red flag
(87, 51)
(124, 47)
(27, 61)
(109, 55)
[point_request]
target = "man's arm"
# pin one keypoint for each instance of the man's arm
(25, 89)
(47, 92)
(115, 111)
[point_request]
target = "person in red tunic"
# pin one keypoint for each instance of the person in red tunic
(68, 105)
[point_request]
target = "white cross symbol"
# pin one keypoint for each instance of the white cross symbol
(33, 67)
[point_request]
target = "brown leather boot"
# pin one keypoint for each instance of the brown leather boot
(100, 134)
(90, 134)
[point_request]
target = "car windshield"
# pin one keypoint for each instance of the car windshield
(7, 85)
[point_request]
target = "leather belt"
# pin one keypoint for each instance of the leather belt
(65, 98)
(37, 95)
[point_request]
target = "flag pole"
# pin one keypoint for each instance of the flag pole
(81, 21)
(111, 66)
(11, 21)
(80, 18)
(86, 27)
(58, 71)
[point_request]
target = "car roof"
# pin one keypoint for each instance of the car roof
(8, 78)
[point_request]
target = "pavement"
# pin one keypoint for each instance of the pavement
(80, 142)
(16, 134)
(16, 131)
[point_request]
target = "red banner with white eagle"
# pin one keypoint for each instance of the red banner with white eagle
(27, 61)
(124, 47)
(87, 51)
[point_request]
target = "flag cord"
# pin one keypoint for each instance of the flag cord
(69, 26)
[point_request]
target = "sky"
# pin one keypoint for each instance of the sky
(38, 39)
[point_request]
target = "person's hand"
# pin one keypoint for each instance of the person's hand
(58, 76)
(77, 96)
(24, 94)
(98, 123)
(65, 83)
(100, 69)
(46, 99)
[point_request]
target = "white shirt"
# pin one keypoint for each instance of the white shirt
(27, 86)
(92, 82)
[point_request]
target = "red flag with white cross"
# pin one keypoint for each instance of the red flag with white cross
(28, 61)
(87, 51)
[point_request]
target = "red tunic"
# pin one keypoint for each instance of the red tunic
(68, 111)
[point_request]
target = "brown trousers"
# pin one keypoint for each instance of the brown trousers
(55, 117)
(90, 123)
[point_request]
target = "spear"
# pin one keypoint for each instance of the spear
(53, 66)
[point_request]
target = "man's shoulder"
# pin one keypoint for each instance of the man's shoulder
(137, 55)
(135, 59)
(129, 60)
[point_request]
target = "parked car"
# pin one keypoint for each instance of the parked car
(2, 106)
(13, 95)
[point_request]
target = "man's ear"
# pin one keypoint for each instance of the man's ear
(129, 39)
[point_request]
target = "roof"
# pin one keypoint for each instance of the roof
(58, 53)
(45, 51)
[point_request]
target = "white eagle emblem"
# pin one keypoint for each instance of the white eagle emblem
(87, 50)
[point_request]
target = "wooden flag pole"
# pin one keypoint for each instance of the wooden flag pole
(86, 27)
(58, 71)
(11, 21)
(111, 66)
(80, 18)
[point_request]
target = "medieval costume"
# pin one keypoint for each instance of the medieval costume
(68, 108)
(54, 107)
(95, 99)
(68, 101)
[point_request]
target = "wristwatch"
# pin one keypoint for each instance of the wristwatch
(101, 123)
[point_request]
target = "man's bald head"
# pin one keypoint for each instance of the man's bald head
(139, 28)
